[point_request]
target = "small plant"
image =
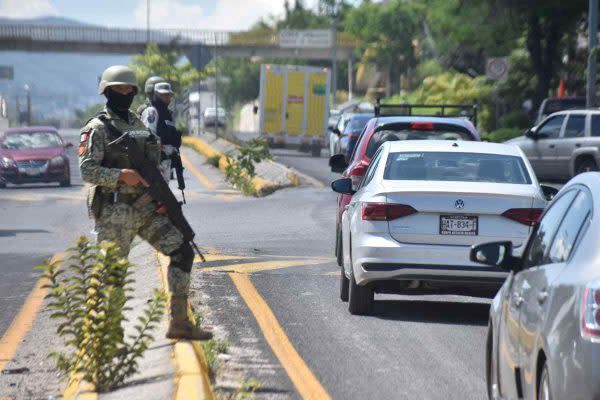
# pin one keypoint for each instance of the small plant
(214, 160)
(247, 388)
(88, 298)
(212, 349)
(241, 169)
(199, 318)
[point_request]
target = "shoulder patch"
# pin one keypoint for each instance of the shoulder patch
(151, 115)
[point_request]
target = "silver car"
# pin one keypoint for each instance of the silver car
(544, 329)
(563, 145)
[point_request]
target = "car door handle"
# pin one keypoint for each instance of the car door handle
(551, 146)
(517, 299)
(542, 296)
(578, 145)
(346, 207)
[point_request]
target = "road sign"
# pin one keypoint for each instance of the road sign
(199, 56)
(303, 39)
(497, 68)
(7, 72)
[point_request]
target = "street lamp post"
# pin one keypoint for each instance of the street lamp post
(590, 100)
(147, 22)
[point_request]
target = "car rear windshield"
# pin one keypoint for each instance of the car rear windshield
(462, 167)
(31, 140)
(552, 106)
(357, 123)
(390, 135)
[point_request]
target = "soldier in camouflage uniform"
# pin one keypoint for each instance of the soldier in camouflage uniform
(149, 90)
(117, 200)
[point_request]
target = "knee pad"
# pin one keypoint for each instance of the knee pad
(183, 257)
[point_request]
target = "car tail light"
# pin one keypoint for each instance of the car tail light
(385, 211)
(356, 174)
(422, 126)
(590, 313)
(527, 216)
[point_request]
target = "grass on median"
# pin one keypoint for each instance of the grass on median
(247, 388)
(212, 348)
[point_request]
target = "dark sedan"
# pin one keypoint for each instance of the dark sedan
(33, 155)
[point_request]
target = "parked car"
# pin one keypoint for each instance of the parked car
(555, 104)
(382, 129)
(563, 145)
(543, 337)
(421, 206)
(332, 121)
(349, 136)
(210, 116)
(336, 132)
(32, 155)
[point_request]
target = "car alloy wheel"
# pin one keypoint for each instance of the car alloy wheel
(360, 298)
(544, 386)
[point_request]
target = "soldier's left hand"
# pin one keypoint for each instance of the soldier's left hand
(161, 209)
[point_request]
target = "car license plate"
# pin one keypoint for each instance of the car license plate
(463, 225)
(31, 171)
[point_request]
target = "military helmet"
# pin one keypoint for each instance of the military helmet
(117, 75)
(150, 82)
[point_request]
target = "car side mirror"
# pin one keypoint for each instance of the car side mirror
(498, 254)
(68, 145)
(338, 163)
(549, 192)
(255, 110)
(343, 186)
(337, 131)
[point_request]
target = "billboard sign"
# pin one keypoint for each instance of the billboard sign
(305, 39)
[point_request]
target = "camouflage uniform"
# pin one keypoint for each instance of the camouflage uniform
(118, 214)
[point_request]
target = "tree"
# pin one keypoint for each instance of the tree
(166, 64)
(386, 32)
(548, 24)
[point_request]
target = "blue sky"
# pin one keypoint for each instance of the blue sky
(199, 14)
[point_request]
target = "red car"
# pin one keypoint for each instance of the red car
(387, 128)
(34, 154)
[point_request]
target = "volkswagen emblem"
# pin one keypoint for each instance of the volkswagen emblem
(459, 204)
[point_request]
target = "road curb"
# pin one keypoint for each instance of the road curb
(261, 186)
(191, 381)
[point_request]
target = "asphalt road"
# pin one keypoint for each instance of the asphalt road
(426, 347)
(38, 220)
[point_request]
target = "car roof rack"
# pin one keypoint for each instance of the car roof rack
(468, 111)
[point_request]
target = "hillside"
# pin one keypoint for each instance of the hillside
(60, 82)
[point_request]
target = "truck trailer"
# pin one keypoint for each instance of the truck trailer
(294, 106)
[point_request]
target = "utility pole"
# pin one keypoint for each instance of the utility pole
(334, 53)
(216, 88)
(147, 22)
(28, 93)
(590, 100)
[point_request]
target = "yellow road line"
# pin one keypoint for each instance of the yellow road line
(248, 268)
(300, 374)
(196, 172)
(22, 323)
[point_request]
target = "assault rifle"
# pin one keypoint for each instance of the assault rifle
(158, 189)
(177, 165)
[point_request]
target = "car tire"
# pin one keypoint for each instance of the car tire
(544, 384)
(360, 298)
(586, 165)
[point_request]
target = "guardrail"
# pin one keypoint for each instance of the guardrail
(91, 34)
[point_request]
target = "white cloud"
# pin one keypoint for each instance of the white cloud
(26, 8)
(228, 15)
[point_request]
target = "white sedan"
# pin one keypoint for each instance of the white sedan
(419, 209)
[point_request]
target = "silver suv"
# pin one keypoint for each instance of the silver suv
(564, 144)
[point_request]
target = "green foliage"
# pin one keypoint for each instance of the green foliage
(452, 88)
(212, 348)
(242, 83)
(166, 64)
(82, 115)
(514, 119)
(88, 299)
(502, 135)
(214, 160)
(240, 170)
(247, 388)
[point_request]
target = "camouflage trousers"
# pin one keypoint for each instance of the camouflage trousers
(120, 223)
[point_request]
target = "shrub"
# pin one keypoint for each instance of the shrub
(241, 169)
(514, 119)
(502, 135)
(88, 298)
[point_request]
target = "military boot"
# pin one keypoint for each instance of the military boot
(180, 327)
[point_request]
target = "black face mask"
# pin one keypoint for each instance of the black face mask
(119, 102)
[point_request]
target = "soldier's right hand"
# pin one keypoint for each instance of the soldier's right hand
(131, 178)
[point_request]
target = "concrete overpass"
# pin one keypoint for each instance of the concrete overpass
(91, 39)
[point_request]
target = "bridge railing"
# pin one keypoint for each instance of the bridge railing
(91, 34)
